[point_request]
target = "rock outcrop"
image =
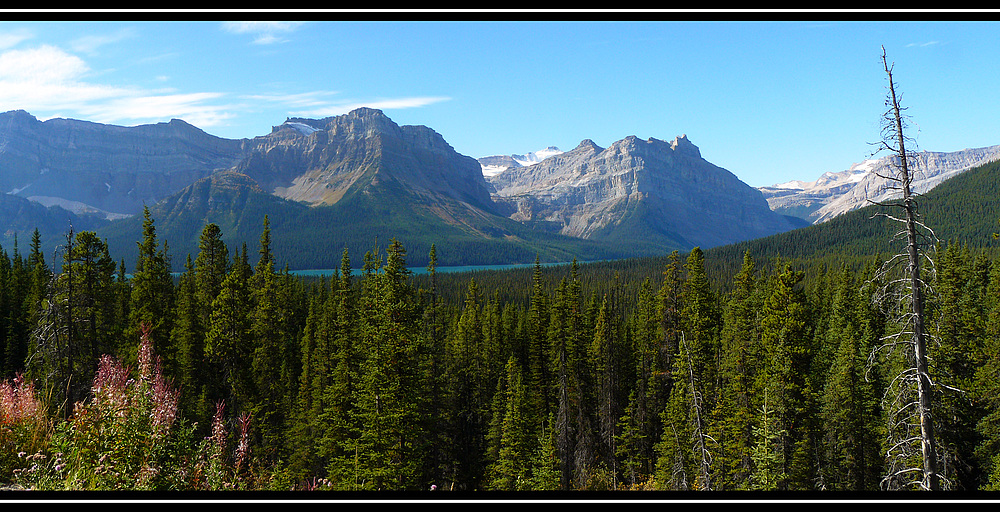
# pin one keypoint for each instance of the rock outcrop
(646, 188)
(318, 162)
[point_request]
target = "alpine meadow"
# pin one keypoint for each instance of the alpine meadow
(184, 313)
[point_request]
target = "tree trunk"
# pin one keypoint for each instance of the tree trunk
(927, 444)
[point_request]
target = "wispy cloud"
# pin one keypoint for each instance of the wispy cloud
(263, 32)
(381, 104)
(308, 100)
(920, 45)
(323, 103)
(90, 44)
(198, 109)
(50, 82)
(13, 37)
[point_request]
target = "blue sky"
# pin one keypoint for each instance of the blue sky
(770, 101)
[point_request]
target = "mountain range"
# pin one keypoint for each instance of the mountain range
(835, 193)
(356, 180)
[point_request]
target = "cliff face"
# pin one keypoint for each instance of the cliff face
(318, 162)
(665, 189)
(114, 170)
(835, 193)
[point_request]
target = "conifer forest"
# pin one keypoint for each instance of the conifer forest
(237, 374)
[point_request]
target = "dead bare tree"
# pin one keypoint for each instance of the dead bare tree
(903, 288)
(698, 436)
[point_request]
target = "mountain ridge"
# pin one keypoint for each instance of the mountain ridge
(835, 193)
(348, 180)
(664, 188)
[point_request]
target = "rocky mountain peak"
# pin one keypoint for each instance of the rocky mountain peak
(587, 144)
(682, 145)
(363, 122)
(18, 115)
(664, 189)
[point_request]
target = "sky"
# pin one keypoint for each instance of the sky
(779, 97)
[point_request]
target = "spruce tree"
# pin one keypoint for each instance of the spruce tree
(266, 335)
(228, 348)
(152, 296)
(785, 337)
(739, 397)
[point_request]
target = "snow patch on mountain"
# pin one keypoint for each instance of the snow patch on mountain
(536, 156)
(493, 165)
(302, 128)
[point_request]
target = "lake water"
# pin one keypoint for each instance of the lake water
(423, 270)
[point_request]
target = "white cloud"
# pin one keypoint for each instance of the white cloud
(195, 108)
(315, 99)
(47, 80)
(381, 104)
(928, 43)
(264, 32)
(50, 82)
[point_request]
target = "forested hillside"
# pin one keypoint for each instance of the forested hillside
(610, 376)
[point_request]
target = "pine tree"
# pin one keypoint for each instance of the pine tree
(537, 338)
(466, 394)
(511, 469)
(784, 334)
(228, 348)
(647, 401)
(849, 407)
(73, 330)
(266, 334)
(25, 287)
(987, 389)
(152, 296)
(188, 337)
(387, 401)
(739, 398)
(608, 353)
(211, 267)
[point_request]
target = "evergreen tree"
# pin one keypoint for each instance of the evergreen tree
(849, 405)
(466, 394)
(387, 403)
(784, 334)
(511, 469)
(152, 296)
(341, 365)
(739, 398)
(211, 267)
(987, 389)
(73, 329)
(266, 338)
(188, 338)
(228, 348)
(609, 356)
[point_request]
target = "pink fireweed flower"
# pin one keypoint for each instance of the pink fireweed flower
(18, 401)
(243, 447)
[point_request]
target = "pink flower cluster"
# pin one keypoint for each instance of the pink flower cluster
(18, 402)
